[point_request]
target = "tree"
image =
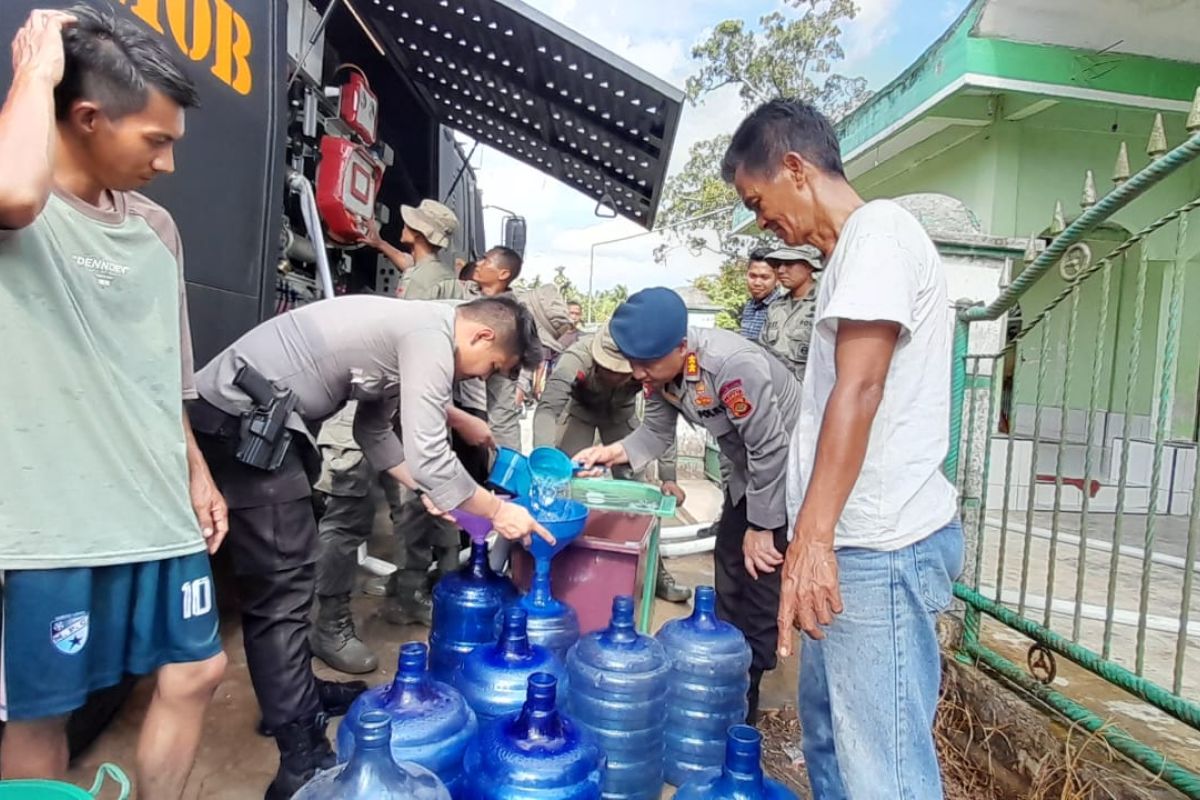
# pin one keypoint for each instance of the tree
(726, 289)
(788, 55)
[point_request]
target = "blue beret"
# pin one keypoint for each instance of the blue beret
(650, 324)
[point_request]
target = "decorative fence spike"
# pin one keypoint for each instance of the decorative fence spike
(1089, 190)
(1030, 251)
(1158, 138)
(1058, 223)
(1121, 170)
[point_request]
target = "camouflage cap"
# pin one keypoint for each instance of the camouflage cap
(804, 252)
(431, 219)
(605, 353)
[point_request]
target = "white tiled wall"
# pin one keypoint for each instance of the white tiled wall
(1174, 496)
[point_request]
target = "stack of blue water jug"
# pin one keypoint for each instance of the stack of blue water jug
(465, 608)
(624, 712)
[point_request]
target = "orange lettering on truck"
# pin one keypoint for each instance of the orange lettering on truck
(209, 31)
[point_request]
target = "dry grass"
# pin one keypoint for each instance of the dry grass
(781, 749)
(962, 750)
(1063, 779)
(965, 753)
(967, 749)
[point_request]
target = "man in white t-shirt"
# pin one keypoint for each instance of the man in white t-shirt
(874, 521)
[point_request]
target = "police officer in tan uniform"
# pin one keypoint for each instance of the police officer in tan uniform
(396, 360)
(346, 481)
(491, 276)
(428, 229)
(749, 401)
(346, 478)
(789, 326)
(591, 393)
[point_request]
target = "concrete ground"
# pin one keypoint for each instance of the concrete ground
(234, 763)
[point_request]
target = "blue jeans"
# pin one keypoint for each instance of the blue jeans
(869, 689)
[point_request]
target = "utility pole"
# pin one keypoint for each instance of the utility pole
(592, 255)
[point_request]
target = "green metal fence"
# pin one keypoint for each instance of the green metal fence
(1076, 461)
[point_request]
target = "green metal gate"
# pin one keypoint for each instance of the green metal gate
(1073, 446)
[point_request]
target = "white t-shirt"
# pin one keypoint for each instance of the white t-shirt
(885, 267)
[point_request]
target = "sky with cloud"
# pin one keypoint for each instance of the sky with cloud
(885, 37)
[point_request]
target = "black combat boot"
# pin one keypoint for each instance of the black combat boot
(303, 750)
(335, 696)
(752, 696)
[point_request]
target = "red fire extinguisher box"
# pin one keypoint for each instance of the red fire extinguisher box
(347, 182)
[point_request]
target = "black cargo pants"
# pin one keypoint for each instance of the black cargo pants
(750, 605)
(273, 545)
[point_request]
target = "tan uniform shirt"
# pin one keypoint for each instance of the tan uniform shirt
(573, 390)
(748, 400)
(422, 280)
(788, 330)
(367, 348)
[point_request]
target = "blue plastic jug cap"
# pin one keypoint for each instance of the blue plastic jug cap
(621, 629)
(479, 566)
(414, 657)
(622, 610)
(706, 599)
(514, 638)
(743, 750)
(374, 729)
(543, 688)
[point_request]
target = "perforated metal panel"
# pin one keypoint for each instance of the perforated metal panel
(505, 74)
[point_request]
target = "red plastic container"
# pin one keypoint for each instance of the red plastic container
(608, 560)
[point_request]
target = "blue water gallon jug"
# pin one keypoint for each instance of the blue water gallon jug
(710, 675)
(742, 777)
(431, 723)
(618, 693)
(465, 606)
(494, 679)
(371, 774)
(536, 754)
(552, 623)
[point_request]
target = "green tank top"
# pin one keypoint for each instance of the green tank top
(95, 365)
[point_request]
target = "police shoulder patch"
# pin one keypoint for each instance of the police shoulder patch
(733, 397)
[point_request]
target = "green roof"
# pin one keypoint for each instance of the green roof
(960, 59)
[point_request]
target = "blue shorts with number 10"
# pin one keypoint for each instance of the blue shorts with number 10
(66, 633)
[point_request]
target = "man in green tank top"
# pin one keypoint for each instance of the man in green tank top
(109, 511)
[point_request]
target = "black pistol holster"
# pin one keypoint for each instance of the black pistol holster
(264, 438)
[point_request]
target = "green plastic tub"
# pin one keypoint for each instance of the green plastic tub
(53, 790)
(631, 497)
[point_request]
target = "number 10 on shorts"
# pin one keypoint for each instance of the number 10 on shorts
(197, 597)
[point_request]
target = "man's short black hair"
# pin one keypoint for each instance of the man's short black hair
(776, 128)
(507, 258)
(575, 303)
(114, 63)
(515, 329)
(759, 254)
